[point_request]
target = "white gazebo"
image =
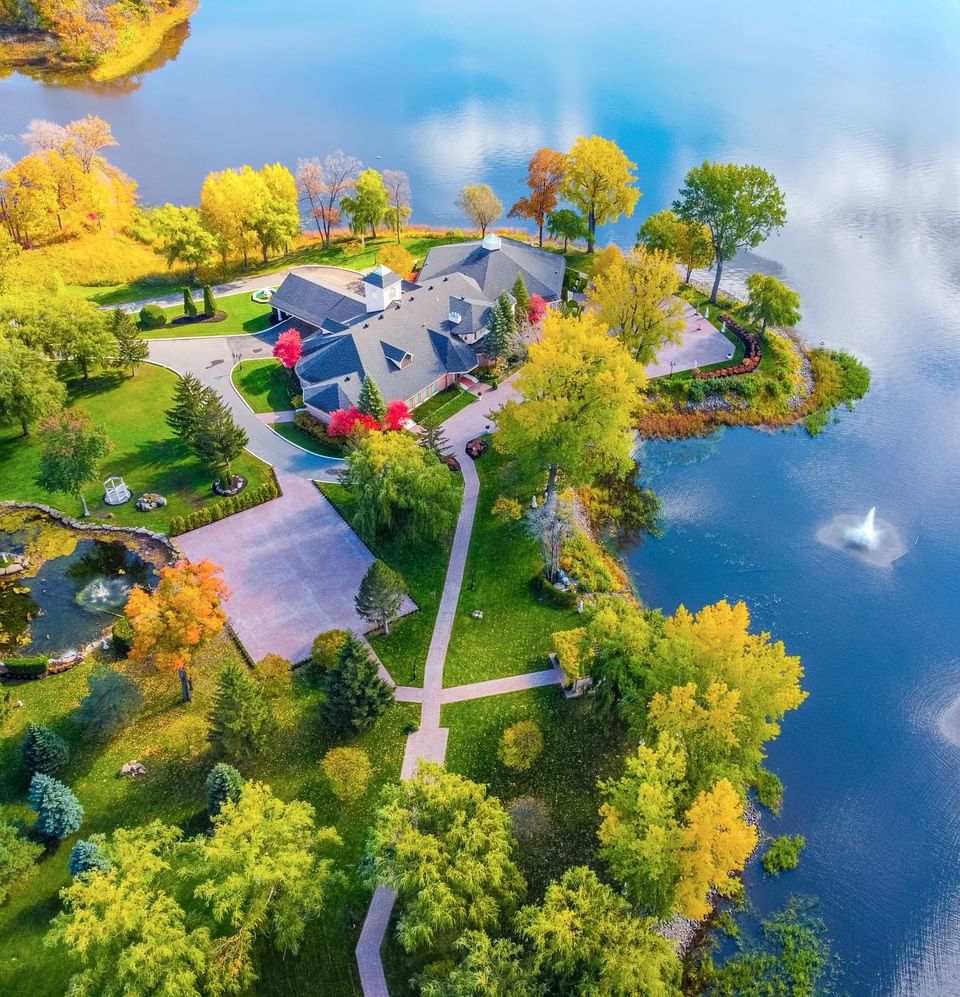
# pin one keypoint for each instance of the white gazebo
(116, 491)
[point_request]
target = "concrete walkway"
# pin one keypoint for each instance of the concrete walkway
(701, 344)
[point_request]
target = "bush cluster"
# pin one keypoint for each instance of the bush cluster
(26, 667)
(227, 507)
(587, 563)
(122, 636)
(152, 317)
(306, 423)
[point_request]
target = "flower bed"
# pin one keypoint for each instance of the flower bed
(752, 354)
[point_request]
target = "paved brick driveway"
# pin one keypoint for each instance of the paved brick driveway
(293, 567)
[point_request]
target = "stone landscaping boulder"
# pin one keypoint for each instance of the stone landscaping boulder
(149, 501)
(132, 770)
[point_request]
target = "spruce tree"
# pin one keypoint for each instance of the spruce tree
(59, 813)
(223, 783)
(522, 299)
(189, 305)
(188, 403)
(355, 695)
(88, 856)
(241, 720)
(433, 438)
(371, 401)
(380, 594)
(503, 328)
(209, 302)
(218, 440)
(43, 750)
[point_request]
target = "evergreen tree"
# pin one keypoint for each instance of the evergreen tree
(433, 438)
(355, 695)
(59, 813)
(209, 302)
(223, 783)
(189, 305)
(371, 401)
(188, 401)
(88, 856)
(522, 298)
(218, 440)
(503, 328)
(110, 704)
(43, 750)
(132, 348)
(241, 720)
(380, 595)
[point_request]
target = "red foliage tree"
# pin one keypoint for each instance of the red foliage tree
(398, 412)
(289, 348)
(346, 421)
(536, 309)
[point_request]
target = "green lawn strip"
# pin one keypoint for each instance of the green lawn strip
(578, 750)
(170, 739)
(146, 452)
(424, 569)
(263, 385)
(290, 431)
(514, 634)
(442, 405)
(243, 316)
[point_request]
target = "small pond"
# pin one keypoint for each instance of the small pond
(74, 585)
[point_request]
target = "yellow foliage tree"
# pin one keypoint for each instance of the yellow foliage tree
(398, 258)
(600, 181)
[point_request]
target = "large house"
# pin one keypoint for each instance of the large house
(412, 339)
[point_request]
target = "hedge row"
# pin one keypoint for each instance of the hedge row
(35, 665)
(227, 507)
(306, 423)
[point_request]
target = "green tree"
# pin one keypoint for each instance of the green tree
(218, 440)
(370, 402)
(241, 721)
(367, 206)
(86, 857)
(397, 184)
(348, 771)
(127, 931)
(276, 225)
(520, 745)
(189, 305)
(522, 298)
(740, 205)
(82, 337)
(185, 415)
(354, 694)
(433, 439)
(71, 449)
(380, 595)
(263, 873)
(479, 203)
(771, 302)
(182, 237)
(488, 967)
(58, 811)
(688, 242)
(503, 328)
(567, 225)
(209, 302)
(635, 295)
(131, 348)
(445, 846)
(43, 750)
(402, 490)
(326, 648)
(111, 703)
(587, 940)
(223, 783)
(17, 855)
(600, 181)
(29, 389)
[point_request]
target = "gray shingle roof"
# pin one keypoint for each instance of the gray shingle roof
(382, 276)
(315, 302)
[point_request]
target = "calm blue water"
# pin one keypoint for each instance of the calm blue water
(853, 107)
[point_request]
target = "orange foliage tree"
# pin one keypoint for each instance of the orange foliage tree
(171, 622)
(545, 174)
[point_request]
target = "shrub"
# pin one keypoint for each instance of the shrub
(507, 509)
(59, 813)
(189, 305)
(529, 817)
(274, 671)
(584, 559)
(348, 771)
(26, 667)
(122, 631)
(111, 703)
(783, 854)
(545, 590)
(209, 302)
(327, 647)
(520, 745)
(223, 783)
(17, 855)
(769, 789)
(152, 317)
(43, 750)
(87, 856)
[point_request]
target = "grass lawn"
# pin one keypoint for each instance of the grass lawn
(424, 569)
(146, 453)
(578, 749)
(293, 433)
(170, 739)
(263, 385)
(514, 634)
(243, 316)
(442, 405)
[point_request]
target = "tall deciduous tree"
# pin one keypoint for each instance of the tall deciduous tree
(367, 205)
(635, 296)
(241, 720)
(479, 203)
(688, 242)
(741, 205)
(182, 237)
(545, 175)
(488, 967)
(29, 389)
(171, 622)
(771, 302)
(71, 449)
(325, 184)
(88, 137)
(600, 181)
(17, 855)
(380, 595)
(354, 694)
(445, 846)
(400, 198)
(567, 225)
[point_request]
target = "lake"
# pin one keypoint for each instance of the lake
(853, 107)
